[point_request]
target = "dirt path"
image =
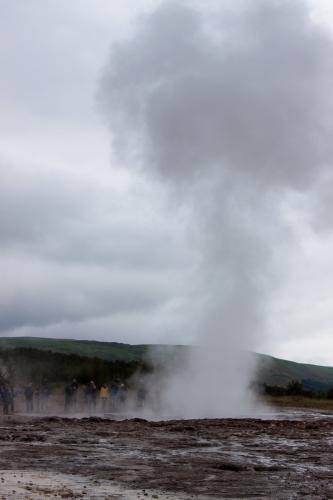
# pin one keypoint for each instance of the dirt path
(227, 458)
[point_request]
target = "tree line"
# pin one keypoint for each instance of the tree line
(297, 388)
(22, 364)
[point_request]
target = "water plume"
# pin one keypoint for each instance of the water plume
(231, 112)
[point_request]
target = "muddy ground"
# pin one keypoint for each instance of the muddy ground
(55, 457)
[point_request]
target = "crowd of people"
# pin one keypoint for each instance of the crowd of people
(88, 398)
(109, 397)
(36, 396)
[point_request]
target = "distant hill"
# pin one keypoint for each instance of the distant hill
(275, 371)
(110, 351)
(272, 371)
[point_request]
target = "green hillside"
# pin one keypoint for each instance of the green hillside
(109, 351)
(272, 371)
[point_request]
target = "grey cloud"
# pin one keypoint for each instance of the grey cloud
(138, 327)
(45, 294)
(73, 250)
(39, 45)
(64, 216)
(318, 208)
(79, 245)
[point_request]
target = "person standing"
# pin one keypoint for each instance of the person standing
(45, 394)
(74, 386)
(104, 395)
(141, 395)
(122, 394)
(68, 397)
(92, 392)
(29, 397)
(113, 390)
(6, 395)
(37, 398)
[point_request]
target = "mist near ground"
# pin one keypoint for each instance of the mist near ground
(229, 110)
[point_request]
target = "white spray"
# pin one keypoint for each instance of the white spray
(231, 112)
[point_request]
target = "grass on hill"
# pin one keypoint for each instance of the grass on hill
(109, 351)
(280, 372)
(300, 402)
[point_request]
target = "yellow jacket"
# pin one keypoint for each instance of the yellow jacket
(104, 392)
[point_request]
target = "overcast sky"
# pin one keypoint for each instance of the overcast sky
(92, 248)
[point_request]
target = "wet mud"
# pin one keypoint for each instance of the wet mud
(55, 457)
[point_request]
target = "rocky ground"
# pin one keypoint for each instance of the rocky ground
(55, 457)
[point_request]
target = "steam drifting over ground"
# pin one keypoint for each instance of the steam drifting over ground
(231, 112)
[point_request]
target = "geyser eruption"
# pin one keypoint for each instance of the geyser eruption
(230, 110)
